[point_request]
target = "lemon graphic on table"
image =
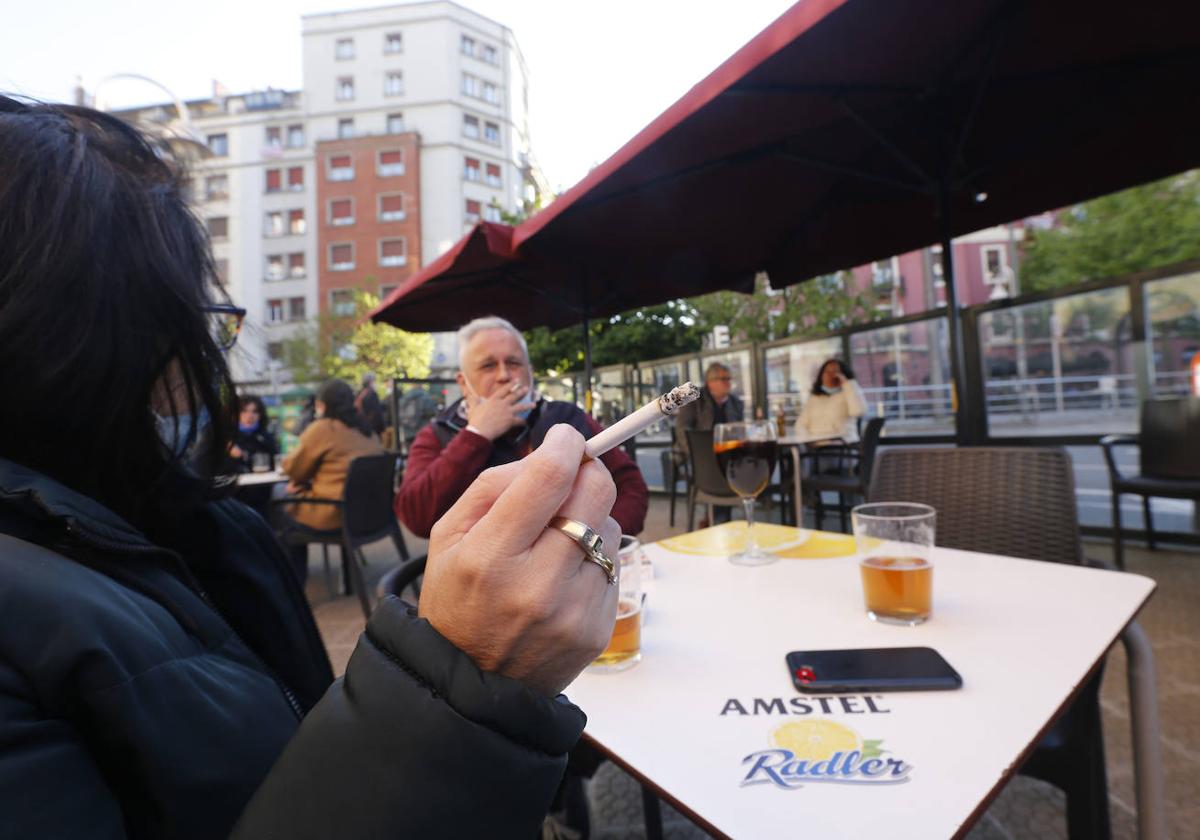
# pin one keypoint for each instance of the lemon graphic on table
(815, 740)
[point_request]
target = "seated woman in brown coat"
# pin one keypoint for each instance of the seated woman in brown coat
(319, 464)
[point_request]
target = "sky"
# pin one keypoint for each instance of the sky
(599, 71)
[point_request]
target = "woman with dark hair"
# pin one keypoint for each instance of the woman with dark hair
(161, 675)
(833, 405)
(253, 437)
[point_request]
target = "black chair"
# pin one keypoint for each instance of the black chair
(842, 468)
(367, 516)
(396, 581)
(1169, 445)
(674, 467)
(1019, 502)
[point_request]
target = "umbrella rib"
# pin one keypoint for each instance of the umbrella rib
(887, 144)
(841, 169)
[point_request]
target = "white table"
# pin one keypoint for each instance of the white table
(252, 479)
(1024, 635)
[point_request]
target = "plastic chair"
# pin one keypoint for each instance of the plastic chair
(1018, 502)
(850, 474)
(708, 485)
(1169, 446)
(367, 516)
(397, 580)
(674, 467)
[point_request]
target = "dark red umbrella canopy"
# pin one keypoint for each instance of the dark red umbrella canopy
(847, 131)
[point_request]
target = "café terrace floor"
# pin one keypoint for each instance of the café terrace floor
(1027, 808)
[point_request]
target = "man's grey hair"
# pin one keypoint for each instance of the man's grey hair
(368, 379)
(714, 368)
(488, 322)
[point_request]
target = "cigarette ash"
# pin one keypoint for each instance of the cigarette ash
(678, 397)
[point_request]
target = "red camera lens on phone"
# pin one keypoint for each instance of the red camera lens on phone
(805, 674)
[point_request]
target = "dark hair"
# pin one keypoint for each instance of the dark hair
(104, 279)
(817, 388)
(256, 401)
(339, 405)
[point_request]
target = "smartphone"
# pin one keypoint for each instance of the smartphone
(871, 669)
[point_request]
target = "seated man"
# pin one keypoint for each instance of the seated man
(498, 420)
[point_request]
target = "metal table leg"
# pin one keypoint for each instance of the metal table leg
(1147, 746)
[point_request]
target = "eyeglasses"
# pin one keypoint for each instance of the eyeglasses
(226, 322)
(720, 379)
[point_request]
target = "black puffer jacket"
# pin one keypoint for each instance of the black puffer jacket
(150, 694)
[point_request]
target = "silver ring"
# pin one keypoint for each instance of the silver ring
(591, 543)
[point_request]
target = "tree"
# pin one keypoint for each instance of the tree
(347, 346)
(1145, 227)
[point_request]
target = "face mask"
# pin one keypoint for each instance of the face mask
(175, 431)
(832, 391)
(533, 398)
(246, 430)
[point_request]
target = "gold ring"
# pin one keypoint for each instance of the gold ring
(591, 543)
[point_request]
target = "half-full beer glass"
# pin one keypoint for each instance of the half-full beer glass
(895, 540)
(625, 647)
(746, 453)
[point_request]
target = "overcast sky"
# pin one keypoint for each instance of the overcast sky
(599, 70)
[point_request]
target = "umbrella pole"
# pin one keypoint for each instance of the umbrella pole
(964, 422)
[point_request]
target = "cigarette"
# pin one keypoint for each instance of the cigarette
(667, 405)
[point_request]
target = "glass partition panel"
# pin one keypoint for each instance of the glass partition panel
(741, 368)
(791, 370)
(1060, 367)
(1173, 329)
(564, 388)
(904, 372)
(610, 396)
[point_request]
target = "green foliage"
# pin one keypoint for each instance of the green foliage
(368, 346)
(814, 307)
(302, 355)
(1137, 229)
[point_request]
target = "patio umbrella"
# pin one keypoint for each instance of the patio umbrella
(849, 131)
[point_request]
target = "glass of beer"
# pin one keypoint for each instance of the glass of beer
(746, 453)
(625, 647)
(895, 541)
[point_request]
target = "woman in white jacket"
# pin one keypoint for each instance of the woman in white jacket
(834, 405)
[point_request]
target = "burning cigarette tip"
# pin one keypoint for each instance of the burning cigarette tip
(670, 403)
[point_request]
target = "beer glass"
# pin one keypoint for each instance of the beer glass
(625, 647)
(895, 542)
(746, 453)
(260, 462)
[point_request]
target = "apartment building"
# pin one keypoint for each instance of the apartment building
(412, 125)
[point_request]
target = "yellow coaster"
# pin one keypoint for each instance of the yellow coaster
(730, 538)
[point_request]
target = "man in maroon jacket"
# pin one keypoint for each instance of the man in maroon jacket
(498, 420)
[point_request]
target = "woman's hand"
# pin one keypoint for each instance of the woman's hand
(234, 452)
(515, 596)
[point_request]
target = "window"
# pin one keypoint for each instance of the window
(295, 179)
(470, 127)
(222, 268)
(393, 251)
(391, 162)
(489, 54)
(473, 210)
(218, 227)
(491, 93)
(491, 133)
(345, 88)
(274, 225)
(295, 136)
(345, 128)
(296, 265)
(467, 45)
(216, 187)
(274, 137)
(341, 256)
(275, 311)
(274, 180)
(493, 175)
(386, 290)
(341, 168)
(393, 42)
(296, 225)
(395, 123)
(275, 351)
(471, 86)
(296, 309)
(341, 211)
(218, 144)
(471, 169)
(393, 83)
(343, 49)
(275, 267)
(391, 207)
(341, 301)
(491, 213)
(995, 268)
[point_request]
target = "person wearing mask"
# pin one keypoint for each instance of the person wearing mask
(833, 406)
(161, 675)
(498, 421)
(253, 437)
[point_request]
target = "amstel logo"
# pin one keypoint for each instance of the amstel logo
(822, 752)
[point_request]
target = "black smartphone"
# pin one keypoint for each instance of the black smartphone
(871, 669)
